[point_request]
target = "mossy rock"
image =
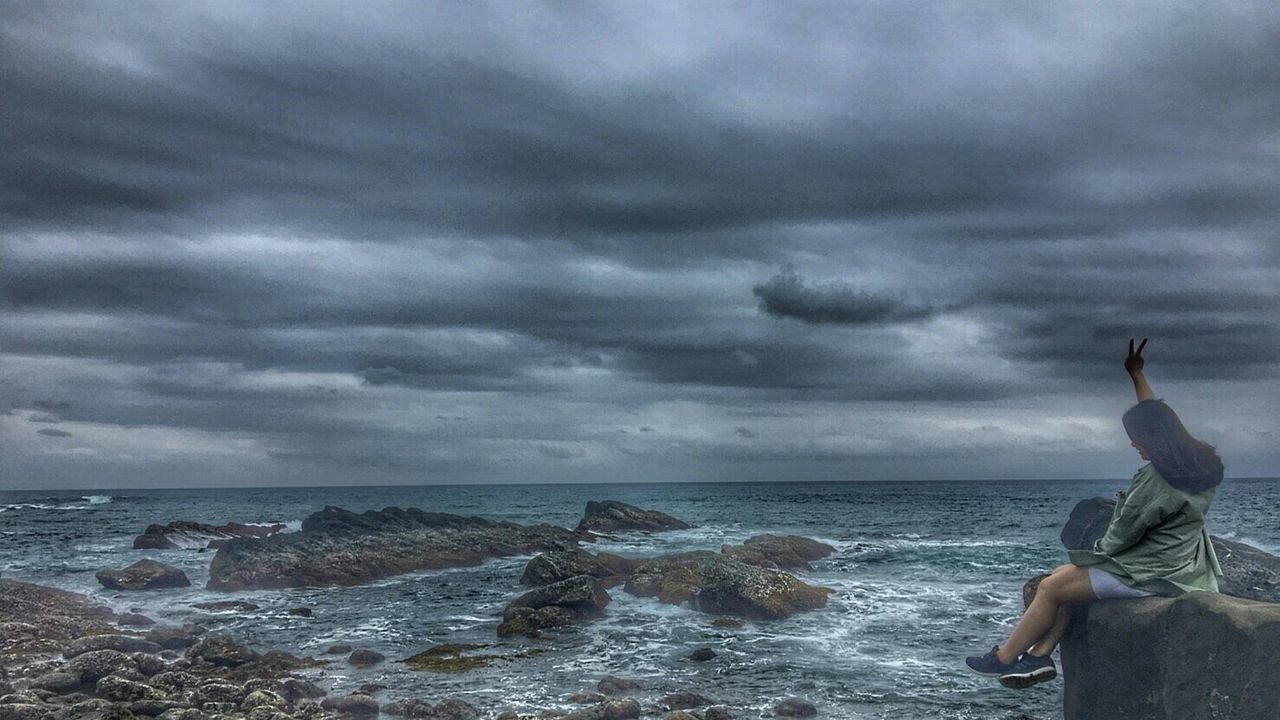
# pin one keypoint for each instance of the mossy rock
(449, 658)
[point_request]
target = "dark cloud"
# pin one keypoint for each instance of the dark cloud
(786, 295)
(53, 432)
(317, 240)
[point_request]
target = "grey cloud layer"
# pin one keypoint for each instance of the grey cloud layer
(323, 236)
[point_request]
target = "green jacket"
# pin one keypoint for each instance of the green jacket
(1157, 540)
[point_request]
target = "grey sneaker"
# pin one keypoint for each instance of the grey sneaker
(1029, 670)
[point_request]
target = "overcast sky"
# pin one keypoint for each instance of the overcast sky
(360, 243)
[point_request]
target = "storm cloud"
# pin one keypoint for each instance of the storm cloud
(460, 242)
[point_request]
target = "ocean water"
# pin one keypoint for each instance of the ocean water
(925, 573)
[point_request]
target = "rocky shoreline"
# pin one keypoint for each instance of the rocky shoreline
(65, 656)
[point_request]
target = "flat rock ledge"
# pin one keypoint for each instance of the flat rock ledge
(340, 547)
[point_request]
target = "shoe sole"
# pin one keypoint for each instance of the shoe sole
(984, 674)
(1026, 680)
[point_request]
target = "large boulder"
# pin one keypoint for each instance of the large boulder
(565, 602)
(783, 552)
(613, 515)
(555, 565)
(1248, 572)
(143, 575)
(339, 547)
(714, 583)
(188, 534)
(1195, 656)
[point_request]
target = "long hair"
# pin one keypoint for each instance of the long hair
(1186, 463)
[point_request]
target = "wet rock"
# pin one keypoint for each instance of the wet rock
(91, 708)
(795, 707)
(186, 534)
(301, 612)
(227, 606)
(174, 681)
(702, 654)
(58, 682)
(371, 688)
(556, 565)
(23, 711)
(41, 620)
(122, 643)
(220, 691)
(340, 649)
(783, 552)
(147, 663)
(222, 651)
(152, 707)
(730, 623)
(182, 714)
(295, 689)
(143, 575)
(449, 658)
(262, 698)
(617, 709)
(452, 708)
(561, 603)
(175, 638)
(736, 588)
(716, 712)
(612, 515)
(684, 700)
(358, 705)
(413, 708)
(118, 689)
(364, 657)
(97, 664)
(714, 583)
(613, 685)
(680, 715)
(133, 619)
(339, 547)
(586, 697)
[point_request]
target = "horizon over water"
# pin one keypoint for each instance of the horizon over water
(926, 572)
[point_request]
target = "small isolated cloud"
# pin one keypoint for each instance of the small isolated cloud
(745, 432)
(47, 418)
(53, 432)
(560, 452)
(787, 295)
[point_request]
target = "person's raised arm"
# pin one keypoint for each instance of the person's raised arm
(1134, 364)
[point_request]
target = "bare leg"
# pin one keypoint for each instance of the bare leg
(1067, 584)
(1051, 639)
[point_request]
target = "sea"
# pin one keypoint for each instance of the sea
(925, 574)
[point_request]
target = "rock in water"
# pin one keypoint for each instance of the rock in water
(555, 565)
(784, 552)
(187, 534)
(1195, 656)
(1247, 572)
(143, 575)
(339, 547)
(561, 603)
(735, 588)
(612, 515)
(713, 583)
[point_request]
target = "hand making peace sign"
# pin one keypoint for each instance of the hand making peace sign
(1134, 362)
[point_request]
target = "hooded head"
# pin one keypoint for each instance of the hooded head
(1185, 462)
